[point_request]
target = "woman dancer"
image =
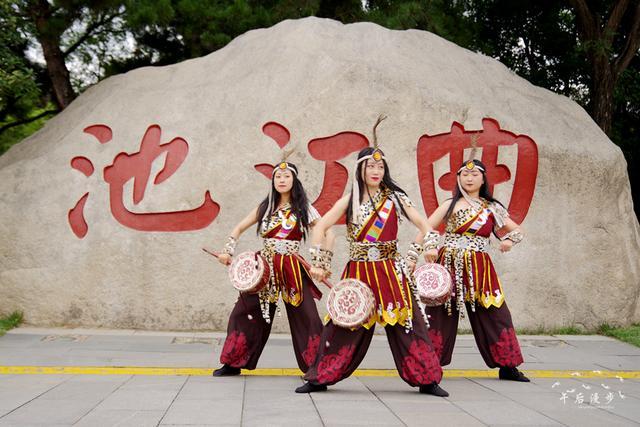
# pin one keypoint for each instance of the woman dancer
(373, 211)
(471, 216)
(284, 218)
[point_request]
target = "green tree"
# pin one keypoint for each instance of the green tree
(65, 31)
(61, 27)
(22, 99)
(610, 37)
(442, 17)
(168, 31)
(18, 88)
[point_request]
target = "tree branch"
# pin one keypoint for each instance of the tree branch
(631, 46)
(619, 9)
(586, 21)
(530, 58)
(90, 30)
(27, 120)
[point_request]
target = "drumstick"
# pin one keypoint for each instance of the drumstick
(308, 267)
(214, 253)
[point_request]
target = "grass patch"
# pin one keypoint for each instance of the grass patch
(10, 322)
(629, 334)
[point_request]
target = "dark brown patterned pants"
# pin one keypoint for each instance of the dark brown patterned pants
(412, 351)
(247, 332)
(492, 328)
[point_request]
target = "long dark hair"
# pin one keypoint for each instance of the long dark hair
(299, 203)
(387, 182)
(484, 190)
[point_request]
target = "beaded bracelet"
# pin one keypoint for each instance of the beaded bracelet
(327, 256)
(412, 256)
(317, 260)
(431, 241)
(416, 247)
(515, 236)
(230, 246)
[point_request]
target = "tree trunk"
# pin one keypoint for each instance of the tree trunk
(602, 88)
(56, 67)
(58, 73)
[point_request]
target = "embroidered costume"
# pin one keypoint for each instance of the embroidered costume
(374, 260)
(250, 321)
(476, 285)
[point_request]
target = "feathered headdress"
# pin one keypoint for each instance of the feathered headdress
(470, 165)
(377, 155)
(283, 165)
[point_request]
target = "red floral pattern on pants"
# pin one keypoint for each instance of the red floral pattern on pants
(506, 352)
(421, 366)
(309, 355)
(333, 366)
(235, 351)
(436, 340)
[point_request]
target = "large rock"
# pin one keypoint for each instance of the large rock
(578, 265)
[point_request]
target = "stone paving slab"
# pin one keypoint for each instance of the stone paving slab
(163, 400)
(258, 401)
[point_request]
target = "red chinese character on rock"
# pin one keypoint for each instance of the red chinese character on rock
(281, 136)
(76, 215)
(489, 139)
(137, 166)
(331, 149)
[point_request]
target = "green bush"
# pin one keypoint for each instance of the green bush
(10, 322)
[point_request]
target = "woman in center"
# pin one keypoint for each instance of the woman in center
(373, 210)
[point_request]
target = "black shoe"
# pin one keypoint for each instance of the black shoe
(512, 374)
(226, 371)
(433, 389)
(310, 388)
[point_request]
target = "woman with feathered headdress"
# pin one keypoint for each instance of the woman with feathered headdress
(471, 216)
(374, 209)
(283, 219)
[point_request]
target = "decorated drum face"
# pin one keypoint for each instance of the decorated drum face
(249, 272)
(350, 303)
(434, 284)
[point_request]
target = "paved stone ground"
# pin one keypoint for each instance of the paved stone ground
(140, 400)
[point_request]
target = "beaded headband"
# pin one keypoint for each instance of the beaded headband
(284, 166)
(470, 165)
